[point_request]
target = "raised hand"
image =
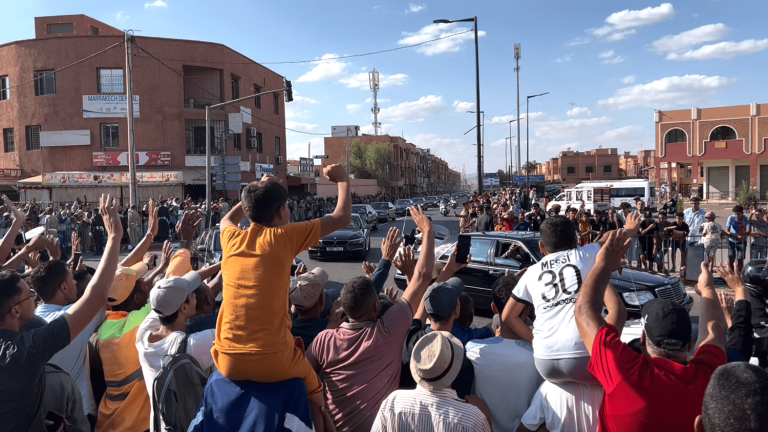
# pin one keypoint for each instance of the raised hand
(188, 225)
(633, 223)
(390, 244)
(165, 258)
(149, 260)
(111, 219)
(612, 253)
(38, 243)
(335, 315)
(393, 293)
(17, 214)
(732, 279)
(727, 303)
(368, 269)
(300, 270)
(452, 266)
(76, 246)
(335, 173)
(706, 281)
(152, 224)
(421, 219)
(407, 263)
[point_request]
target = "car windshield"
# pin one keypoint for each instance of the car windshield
(359, 209)
(379, 206)
(432, 198)
(417, 200)
(353, 226)
(403, 202)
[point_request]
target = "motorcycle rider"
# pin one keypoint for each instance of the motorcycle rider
(755, 275)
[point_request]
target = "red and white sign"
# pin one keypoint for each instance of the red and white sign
(10, 172)
(142, 158)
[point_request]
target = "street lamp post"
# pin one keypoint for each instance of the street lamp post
(477, 93)
(482, 144)
(527, 148)
(512, 155)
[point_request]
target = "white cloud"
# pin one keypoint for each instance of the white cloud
(690, 38)
(579, 111)
(622, 24)
(306, 127)
(156, 3)
(361, 80)
(579, 41)
(453, 150)
(722, 50)
(327, 68)
(606, 54)
(298, 145)
(629, 79)
(463, 106)
(121, 17)
(381, 100)
(434, 31)
(564, 59)
(384, 129)
(353, 108)
(301, 101)
(415, 8)
(570, 129)
(619, 134)
(611, 58)
(297, 109)
(413, 111)
(535, 117)
(688, 90)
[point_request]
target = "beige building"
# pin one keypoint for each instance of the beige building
(571, 167)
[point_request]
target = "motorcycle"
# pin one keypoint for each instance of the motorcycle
(444, 209)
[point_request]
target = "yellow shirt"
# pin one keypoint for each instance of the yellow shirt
(256, 266)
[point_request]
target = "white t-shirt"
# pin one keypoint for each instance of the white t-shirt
(710, 232)
(74, 358)
(151, 354)
(552, 287)
(500, 365)
(570, 407)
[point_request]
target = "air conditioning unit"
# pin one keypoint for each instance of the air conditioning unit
(252, 132)
(253, 143)
(279, 160)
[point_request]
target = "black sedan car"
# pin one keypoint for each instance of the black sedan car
(352, 240)
(367, 214)
(402, 205)
(385, 210)
(635, 287)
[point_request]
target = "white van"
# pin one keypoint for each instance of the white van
(626, 191)
(594, 199)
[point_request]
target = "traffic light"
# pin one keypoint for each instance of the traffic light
(288, 91)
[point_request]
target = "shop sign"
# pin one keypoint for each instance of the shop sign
(108, 106)
(110, 179)
(720, 144)
(10, 172)
(154, 158)
(262, 169)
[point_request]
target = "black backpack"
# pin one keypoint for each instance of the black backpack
(177, 390)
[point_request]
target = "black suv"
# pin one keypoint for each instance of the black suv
(635, 287)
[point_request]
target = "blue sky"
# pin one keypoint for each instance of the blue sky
(605, 64)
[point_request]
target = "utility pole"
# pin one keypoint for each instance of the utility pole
(517, 72)
(133, 192)
(373, 83)
(349, 161)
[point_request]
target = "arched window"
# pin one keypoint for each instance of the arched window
(675, 136)
(722, 133)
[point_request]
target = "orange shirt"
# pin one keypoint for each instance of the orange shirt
(256, 266)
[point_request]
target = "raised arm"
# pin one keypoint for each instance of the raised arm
(342, 215)
(97, 291)
(422, 276)
(712, 326)
(631, 227)
(6, 245)
(138, 252)
(617, 312)
(233, 216)
(589, 305)
(389, 248)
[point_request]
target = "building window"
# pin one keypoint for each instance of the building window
(675, 136)
(571, 170)
(45, 83)
(195, 136)
(94, 31)
(33, 137)
(111, 81)
(9, 142)
(61, 28)
(722, 133)
(277, 146)
(5, 91)
(607, 169)
(238, 141)
(275, 101)
(257, 99)
(259, 142)
(110, 136)
(590, 169)
(235, 87)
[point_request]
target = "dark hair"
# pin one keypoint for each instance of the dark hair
(467, 311)
(171, 319)
(695, 199)
(680, 214)
(573, 210)
(47, 278)
(624, 205)
(663, 213)
(502, 290)
(384, 304)
(557, 234)
(9, 290)
(357, 296)
(735, 399)
(80, 275)
(738, 209)
(128, 304)
(263, 200)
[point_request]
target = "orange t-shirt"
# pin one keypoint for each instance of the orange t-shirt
(256, 266)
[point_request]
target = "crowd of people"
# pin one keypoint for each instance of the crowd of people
(136, 344)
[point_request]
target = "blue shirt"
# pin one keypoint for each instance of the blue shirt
(734, 226)
(467, 334)
(522, 226)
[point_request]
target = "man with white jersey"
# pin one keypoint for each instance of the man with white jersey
(551, 287)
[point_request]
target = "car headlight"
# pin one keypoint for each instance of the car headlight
(359, 240)
(637, 298)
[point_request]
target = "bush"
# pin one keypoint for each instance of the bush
(745, 195)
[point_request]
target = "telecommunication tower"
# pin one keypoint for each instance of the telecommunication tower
(373, 82)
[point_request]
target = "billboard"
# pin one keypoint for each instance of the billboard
(262, 169)
(534, 179)
(306, 165)
(108, 106)
(155, 158)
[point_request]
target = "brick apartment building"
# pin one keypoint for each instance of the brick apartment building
(571, 167)
(64, 134)
(413, 170)
(634, 166)
(713, 150)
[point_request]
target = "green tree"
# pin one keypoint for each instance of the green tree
(530, 167)
(745, 195)
(372, 161)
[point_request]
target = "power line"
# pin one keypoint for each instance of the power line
(68, 66)
(218, 96)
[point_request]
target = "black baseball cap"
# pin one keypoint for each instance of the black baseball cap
(695, 199)
(441, 298)
(648, 214)
(637, 198)
(666, 324)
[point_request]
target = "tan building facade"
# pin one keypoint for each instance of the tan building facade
(713, 151)
(572, 167)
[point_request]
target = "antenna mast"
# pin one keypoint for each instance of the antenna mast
(373, 82)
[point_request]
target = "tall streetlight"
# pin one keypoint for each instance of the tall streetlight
(477, 91)
(527, 148)
(511, 155)
(482, 144)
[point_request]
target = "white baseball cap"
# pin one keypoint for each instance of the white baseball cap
(170, 293)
